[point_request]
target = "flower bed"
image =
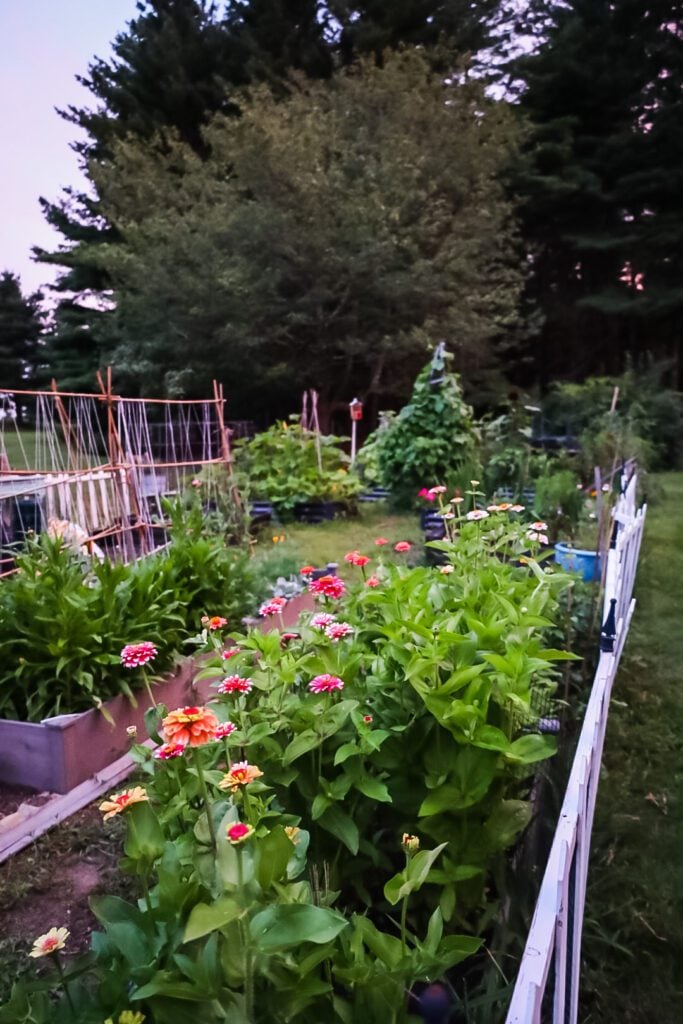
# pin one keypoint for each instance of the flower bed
(320, 838)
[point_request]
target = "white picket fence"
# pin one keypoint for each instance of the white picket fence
(547, 986)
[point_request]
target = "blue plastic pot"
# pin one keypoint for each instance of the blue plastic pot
(575, 560)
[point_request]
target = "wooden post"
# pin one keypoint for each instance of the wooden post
(219, 400)
(121, 475)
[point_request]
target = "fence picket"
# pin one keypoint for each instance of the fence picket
(554, 939)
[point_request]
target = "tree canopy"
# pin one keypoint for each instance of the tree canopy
(324, 241)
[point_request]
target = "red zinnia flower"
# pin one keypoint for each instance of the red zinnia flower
(136, 655)
(235, 684)
(306, 570)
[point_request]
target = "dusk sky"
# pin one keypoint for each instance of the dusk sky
(45, 43)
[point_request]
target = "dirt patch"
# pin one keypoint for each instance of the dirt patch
(49, 885)
(11, 797)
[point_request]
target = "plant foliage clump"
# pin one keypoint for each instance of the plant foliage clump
(432, 438)
(288, 465)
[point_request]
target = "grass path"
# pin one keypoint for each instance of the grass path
(633, 937)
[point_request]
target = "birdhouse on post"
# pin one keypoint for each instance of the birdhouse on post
(356, 412)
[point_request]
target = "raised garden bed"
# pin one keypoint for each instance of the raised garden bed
(58, 754)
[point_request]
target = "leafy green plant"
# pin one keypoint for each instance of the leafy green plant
(288, 465)
(64, 619)
(560, 501)
(432, 438)
(334, 842)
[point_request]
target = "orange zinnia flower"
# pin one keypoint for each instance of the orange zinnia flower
(241, 774)
(191, 726)
(122, 801)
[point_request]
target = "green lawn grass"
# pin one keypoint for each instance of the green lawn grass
(633, 938)
(329, 542)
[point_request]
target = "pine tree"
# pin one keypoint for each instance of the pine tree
(20, 328)
(602, 184)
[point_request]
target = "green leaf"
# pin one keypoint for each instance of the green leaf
(341, 825)
(305, 741)
(414, 875)
(273, 855)
(205, 918)
(373, 788)
(286, 925)
(532, 748)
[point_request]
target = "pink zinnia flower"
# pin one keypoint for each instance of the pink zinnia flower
(322, 620)
(381, 541)
(402, 546)
(539, 527)
(516, 508)
(439, 489)
(136, 655)
(328, 586)
(325, 684)
(224, 730)
(372, 581)
(169, 750)
(273, 607)
(235, 684)
(542, 538)
(226, 655)
(426, 494)
(476, 514)
(239, 832)
(338, 630)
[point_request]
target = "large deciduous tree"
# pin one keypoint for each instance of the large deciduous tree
(177, 64)
(326, 240)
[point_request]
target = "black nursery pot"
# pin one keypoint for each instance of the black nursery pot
(313, 512)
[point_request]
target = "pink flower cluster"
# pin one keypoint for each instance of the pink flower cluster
(273, 607)
(322, 620)
(328, 586)
(338, 630)
(235, 684)
(326, 684)
(355, 558)
(136, 655)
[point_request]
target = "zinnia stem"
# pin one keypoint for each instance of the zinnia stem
(205, 796)
(148, 687)
(404, 915)
(62, 980)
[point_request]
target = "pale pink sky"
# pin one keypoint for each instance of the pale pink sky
(43, 45)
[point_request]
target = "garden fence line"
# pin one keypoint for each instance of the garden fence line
(547, 986)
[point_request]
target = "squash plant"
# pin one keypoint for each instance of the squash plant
(288, 465)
